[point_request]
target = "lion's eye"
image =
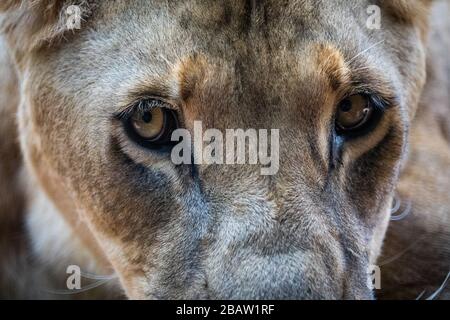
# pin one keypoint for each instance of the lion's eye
(151, 123)
(353, 113)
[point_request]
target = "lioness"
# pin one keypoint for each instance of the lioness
(362, 109)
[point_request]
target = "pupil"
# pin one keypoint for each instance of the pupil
(346, 105)
(147, 117)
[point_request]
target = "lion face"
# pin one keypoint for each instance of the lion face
(340, 94)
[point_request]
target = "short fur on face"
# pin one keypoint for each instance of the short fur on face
(197, 231)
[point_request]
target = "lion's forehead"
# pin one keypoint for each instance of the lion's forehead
(234, 25)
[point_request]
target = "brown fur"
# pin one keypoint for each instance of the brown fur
(34, 23)
(225, 231)
(420, 242)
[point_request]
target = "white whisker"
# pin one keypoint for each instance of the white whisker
(403, 214)
(401, 253)
(441, 288)
(364, 51)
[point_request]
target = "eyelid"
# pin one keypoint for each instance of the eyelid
(382, 96)
(378, 101)
(142, 105)
(381, 103)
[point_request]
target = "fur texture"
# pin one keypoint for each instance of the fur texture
(312, 230)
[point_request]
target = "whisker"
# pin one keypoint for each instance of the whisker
(440, 289)
(421, 295)
(401, 253)
(364, 51)
(397, 205)
(98, 277)
(169, 64)
(76, 291)
(437, 292)
(403, 214)
(358, 55)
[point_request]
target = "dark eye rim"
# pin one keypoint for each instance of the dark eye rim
(163, 141)
(378, 105)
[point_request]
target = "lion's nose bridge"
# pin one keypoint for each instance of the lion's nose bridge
(279, 276)
(260, 258)
(282, 246)
(273, 239)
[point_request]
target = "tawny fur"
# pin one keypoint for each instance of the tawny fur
(110, 223)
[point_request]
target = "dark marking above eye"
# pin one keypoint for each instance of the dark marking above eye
(336, 145)
(210, 16)
(248, 12)
(191, 73)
